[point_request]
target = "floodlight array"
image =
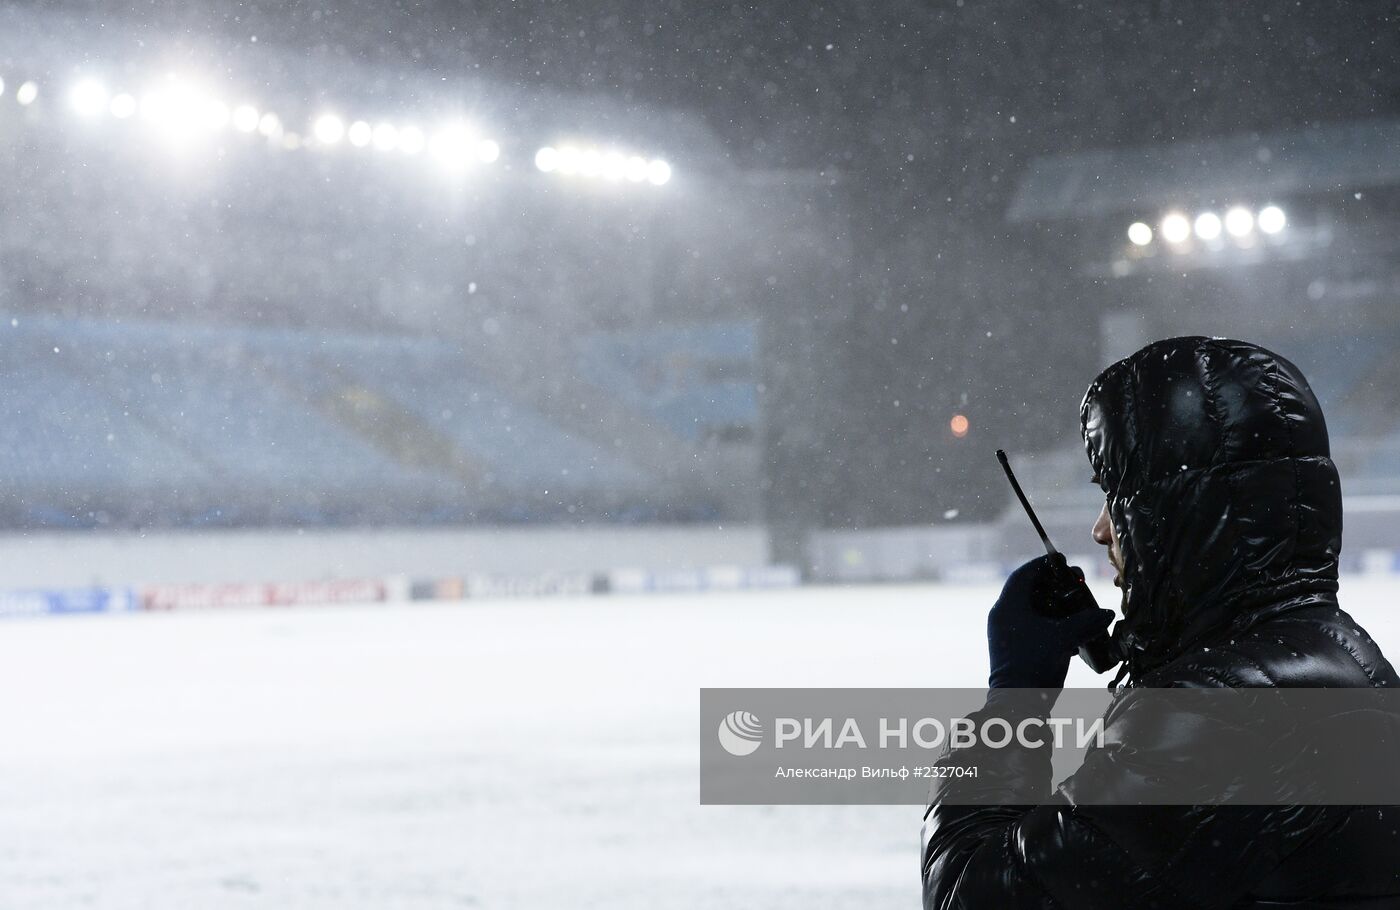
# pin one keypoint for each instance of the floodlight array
(1179, 231)
(602, 164)
(183, 112)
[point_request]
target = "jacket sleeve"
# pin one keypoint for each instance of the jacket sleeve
(1004, 840)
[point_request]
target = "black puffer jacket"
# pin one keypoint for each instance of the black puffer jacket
(1215, 460)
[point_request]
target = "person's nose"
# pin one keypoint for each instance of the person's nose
(1103, 530)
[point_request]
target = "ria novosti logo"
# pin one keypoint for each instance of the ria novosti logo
(740, 733)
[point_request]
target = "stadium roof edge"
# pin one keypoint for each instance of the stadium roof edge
(1255, 167)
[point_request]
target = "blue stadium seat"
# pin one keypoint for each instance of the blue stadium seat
(521, 449)
(694, 380)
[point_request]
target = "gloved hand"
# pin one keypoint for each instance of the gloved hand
(1029, 645)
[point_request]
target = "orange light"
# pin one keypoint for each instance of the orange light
(958, 425)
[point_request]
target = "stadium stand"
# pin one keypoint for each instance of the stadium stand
(138, 423)
(696, 380)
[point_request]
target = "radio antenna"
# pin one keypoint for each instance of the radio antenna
(1025, 503)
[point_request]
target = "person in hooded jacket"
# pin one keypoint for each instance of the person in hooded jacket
(1223, 519)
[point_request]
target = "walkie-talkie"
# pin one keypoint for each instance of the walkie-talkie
(1100, 653)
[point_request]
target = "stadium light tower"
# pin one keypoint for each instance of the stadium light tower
(450, 145)
(88, 98)
(179, 111)
(614, 166)
(386, 137)
(1208, 226)
(1271, 219)
(411, 140)
(659, 172)
(245, 118)
(611, 165)
(567, 160)
(216, 114)
(1239, 221)
(122, 106)
(1175, 228)
(328, 129)
(183, 112)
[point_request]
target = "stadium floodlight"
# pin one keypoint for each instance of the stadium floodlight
(411, 140)
(1239, 221)
(1175, 228)
(360, 134)
(547, 159)
(26, 93)
(614, 166)
(269, 125)
(167, 110)
(1139, 233)
(88, 98)
(245, 118)
(636, 169)
(450, 145)
(1271, 219)
(386, 137)
(178, 110)
(122, 106)
(568, 160)
(2, 85)
(216, 114)
(151, 105)
(658, 172)
(590, 162)
(1207, 225)
(488, 150)
(291, 141)
(328, 129)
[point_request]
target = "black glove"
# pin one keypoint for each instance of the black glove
(1030, 635)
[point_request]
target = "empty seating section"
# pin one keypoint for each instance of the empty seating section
(60, 433)
(694, 380)
(519, 448)
(1340, 368)
(204, 393)
(264, 425)
(1357, 378)
(95, 415)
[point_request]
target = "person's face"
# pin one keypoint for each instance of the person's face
(1105, 535)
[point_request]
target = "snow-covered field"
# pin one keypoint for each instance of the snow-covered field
(484, 754)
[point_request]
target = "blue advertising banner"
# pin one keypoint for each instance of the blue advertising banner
(64, 601)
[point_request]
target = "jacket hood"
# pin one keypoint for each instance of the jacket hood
(1214, 456)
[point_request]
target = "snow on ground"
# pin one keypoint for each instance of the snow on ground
(481, 754)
